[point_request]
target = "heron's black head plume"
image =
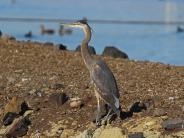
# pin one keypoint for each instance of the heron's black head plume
(83, 21)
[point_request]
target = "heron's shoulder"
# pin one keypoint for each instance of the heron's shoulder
(101, 63)
(102, 68)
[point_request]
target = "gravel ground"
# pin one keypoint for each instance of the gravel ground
(33, 72)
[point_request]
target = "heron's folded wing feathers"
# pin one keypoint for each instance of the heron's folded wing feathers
(105, 82)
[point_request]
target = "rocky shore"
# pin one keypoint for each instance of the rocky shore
(46, 92)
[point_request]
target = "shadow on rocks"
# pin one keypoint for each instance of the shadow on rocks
(135, 108)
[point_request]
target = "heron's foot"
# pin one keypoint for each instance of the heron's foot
(108, 119)
(98, 122)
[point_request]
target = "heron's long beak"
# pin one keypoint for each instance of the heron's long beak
(68, 24)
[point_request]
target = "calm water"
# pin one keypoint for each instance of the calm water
(159, 43)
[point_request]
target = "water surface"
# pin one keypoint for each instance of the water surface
(159, 43)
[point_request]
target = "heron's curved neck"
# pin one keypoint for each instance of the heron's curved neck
(88, 60)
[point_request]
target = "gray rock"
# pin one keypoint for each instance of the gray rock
(136, 135)
(90, 48)
(1, 33)
(9, 117)
(173, 124)
(18, 128)
(61, 47)
(56, 86)
(114, 52)
(48, 44)
(35, 92)
(58, 98)
(39, 93)
(159, 112)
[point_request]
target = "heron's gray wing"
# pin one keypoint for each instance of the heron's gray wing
(109, 75)
(105, 82)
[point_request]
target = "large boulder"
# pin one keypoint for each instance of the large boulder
(90, 48)
(61, 47)
(114, 52)
(1, 33)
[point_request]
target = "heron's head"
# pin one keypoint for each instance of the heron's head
(78, 24)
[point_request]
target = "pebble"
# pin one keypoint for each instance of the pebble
(24, 79)
(173, 124)
(171, 98)
(38, 93)
(74, 123)
(11, 80)
(75, 102)
(53, 78)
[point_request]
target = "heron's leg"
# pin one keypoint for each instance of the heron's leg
(109, 118)
(98, 123)
(106, 118)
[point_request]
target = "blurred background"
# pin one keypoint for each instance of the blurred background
(150, 30)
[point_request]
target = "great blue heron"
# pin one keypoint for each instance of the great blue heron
(103, 79)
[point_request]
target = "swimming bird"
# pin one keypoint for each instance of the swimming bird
(105, 86)
(46, 31)
(62, 31)
(28, 34)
